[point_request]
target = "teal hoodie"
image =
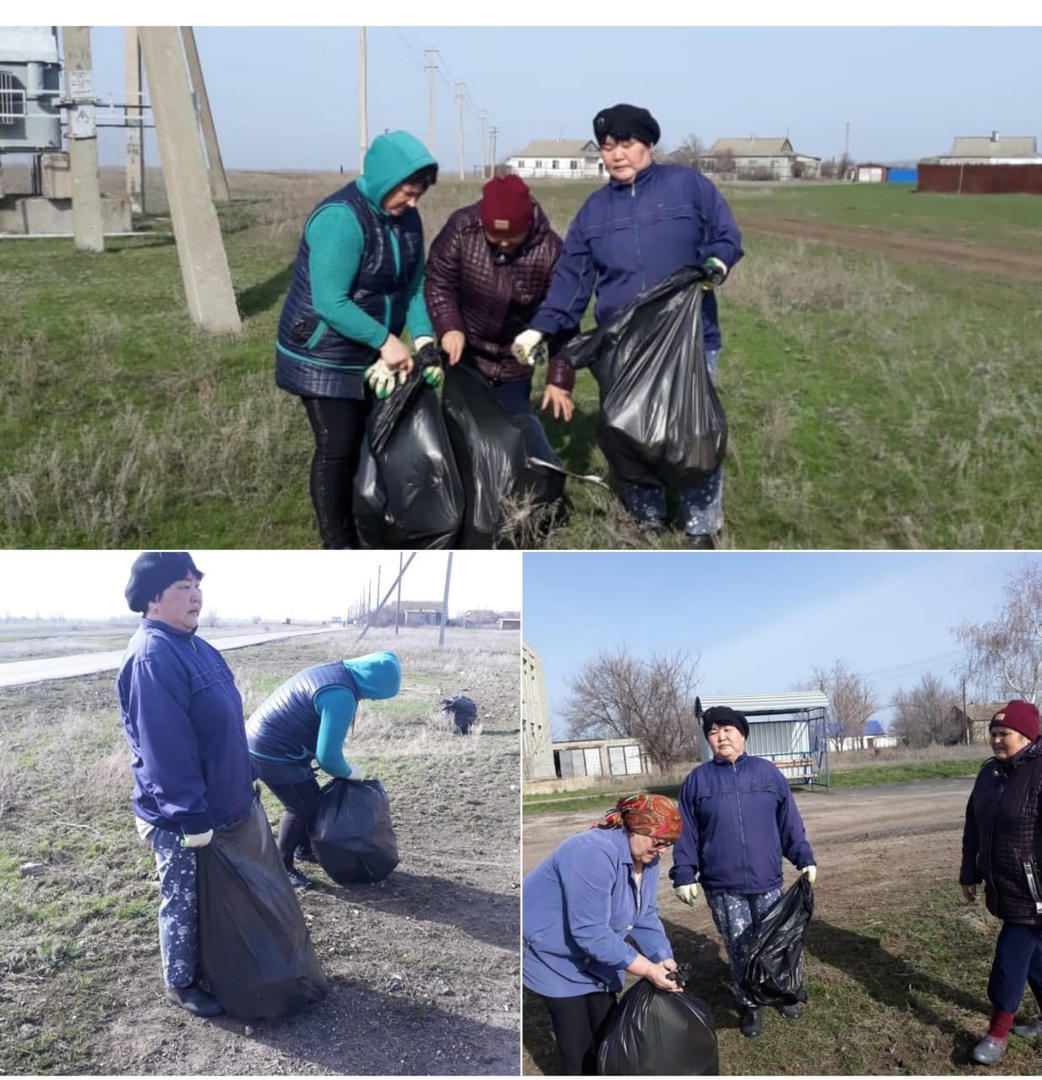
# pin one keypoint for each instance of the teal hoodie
(392, 158)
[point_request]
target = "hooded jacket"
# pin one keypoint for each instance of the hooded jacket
(578, 906)
(182, 716)
(740, 819)
(310, 714)
(489, 296)
(358, 277)
(626, 238)
(1002, 836)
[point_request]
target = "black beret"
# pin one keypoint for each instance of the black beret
(626, 122)
(154, 571)
(723, 716)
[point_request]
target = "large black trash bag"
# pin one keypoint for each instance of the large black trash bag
(513, 479)
(463, 710)
(656, 1032)
(773, 973)
(351, 834)
(660, 421)
(407, 489)
(255, 951)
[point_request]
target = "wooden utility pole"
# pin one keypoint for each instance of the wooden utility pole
(492, 154)
(432, 67)
(363, 112)
(462, 158)
(87, 228)
(398, 604)
(218, 180)
(200, 248)
(481, 140)
(134, 117)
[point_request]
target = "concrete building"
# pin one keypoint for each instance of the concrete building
(559, 159)
(755, 158)
(537, 755)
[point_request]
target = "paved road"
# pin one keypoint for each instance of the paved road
(69, 667)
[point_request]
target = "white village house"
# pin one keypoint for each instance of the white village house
(993, 149)
(558, 159)
(753, 158)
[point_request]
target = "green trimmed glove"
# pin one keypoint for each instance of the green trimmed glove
(383, 381)
(716, 272)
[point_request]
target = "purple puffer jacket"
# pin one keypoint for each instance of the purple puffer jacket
(470, 287)
(1002, 838)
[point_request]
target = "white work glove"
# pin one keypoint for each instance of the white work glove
(197, 839)
(383, 381)
(530, 348)
(357, 773)
(811, 872)
(686, 894)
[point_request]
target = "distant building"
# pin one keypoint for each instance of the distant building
(559, 159)
(985, 165)
(993, 149)
(974, 720)
(755, 158)
(872, 737)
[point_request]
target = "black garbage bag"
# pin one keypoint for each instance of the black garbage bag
(463, 710)
(351, 834)
(660, 421)
(773, 973)
(514, 481)
(407, 488)
(255, 951)
(655, 1032)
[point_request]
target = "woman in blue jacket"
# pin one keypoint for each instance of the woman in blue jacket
(579, 906)
(307, 718)
(183, 720)
(740, 819)
(357, 284)
(649, 220)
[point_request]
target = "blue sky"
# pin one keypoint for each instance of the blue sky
(762, 621)
(287, 97)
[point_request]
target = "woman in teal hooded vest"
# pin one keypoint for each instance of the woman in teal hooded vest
(307, 719)
(357, 284)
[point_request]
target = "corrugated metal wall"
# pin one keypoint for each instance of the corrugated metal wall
(902, 176)
(981, 179)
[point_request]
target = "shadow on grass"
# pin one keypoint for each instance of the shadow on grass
(266, 294)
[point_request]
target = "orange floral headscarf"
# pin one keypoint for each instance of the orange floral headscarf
(649, 815)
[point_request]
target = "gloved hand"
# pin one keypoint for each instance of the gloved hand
(529, 347)
(428, 359)
(811, 872)
(197, 839)
(383, 381)
(357, 773)
(257, 788)
(716, 272)
(686, 894)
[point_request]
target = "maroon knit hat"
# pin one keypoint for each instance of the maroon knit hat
(506, 206)
(1019, 716)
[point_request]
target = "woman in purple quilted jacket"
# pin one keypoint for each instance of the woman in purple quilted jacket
(487, 272)
(1002, 846)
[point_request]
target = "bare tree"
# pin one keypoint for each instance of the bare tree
(1005, 655)
(212, 617)
(924, 714)
(851, 702)
(689, 152)
(647, 699)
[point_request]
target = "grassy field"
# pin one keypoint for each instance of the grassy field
(423, 967)
(873, 401)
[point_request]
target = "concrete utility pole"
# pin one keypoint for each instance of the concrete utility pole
(492, 152)
(200, 248)
(134, 116)
(432, 66)
(82, 131)
(218, 180)
(481, 140)
(445, 602)
(363, 112)
(462, 159)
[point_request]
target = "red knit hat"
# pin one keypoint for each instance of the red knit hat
(1019, 716)
(506, 207)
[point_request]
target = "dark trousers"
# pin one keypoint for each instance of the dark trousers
(339, 428)
(579, 1024)
(1017, 964)
(301, 803)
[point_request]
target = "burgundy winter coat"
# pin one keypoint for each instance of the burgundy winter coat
(491, 297)
(1002, 839)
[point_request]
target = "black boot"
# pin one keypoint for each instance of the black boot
(304, 854)
(751, 1021)
(194, 1000)
(297, 879)
(790, 1012)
